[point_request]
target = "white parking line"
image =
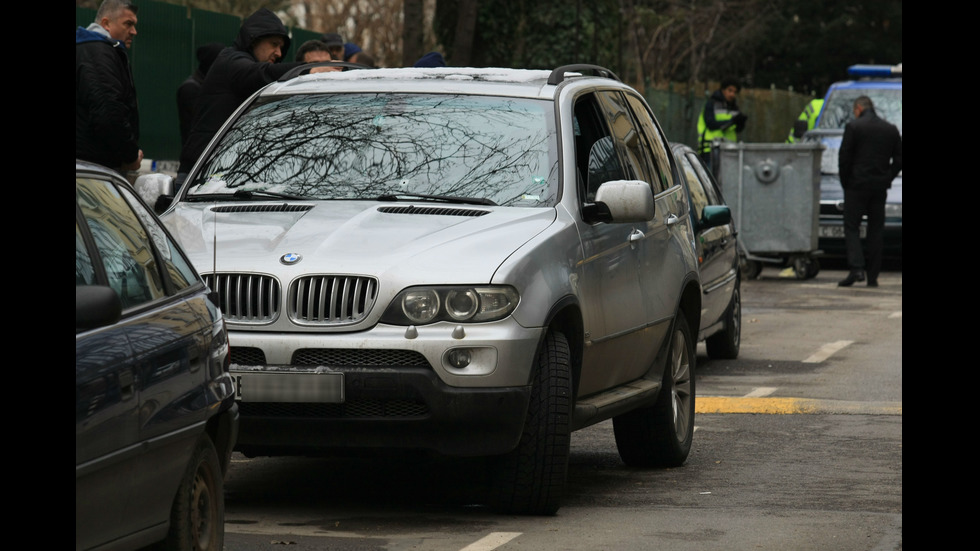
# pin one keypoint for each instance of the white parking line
(759, 392)
(826, 351)
(491, 541)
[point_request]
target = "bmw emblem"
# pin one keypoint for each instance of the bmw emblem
(290, 258)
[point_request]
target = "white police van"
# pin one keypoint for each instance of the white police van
(883, 84)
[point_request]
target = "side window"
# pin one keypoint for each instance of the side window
(657, 142)
(699, 199)
(633, 144)
(595, 155)
(713, 196)
(177, 266)
(84, 272)
(123, 243)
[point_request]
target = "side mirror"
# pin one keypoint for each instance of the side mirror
(96, 306)
(715, 215)
(157, 190)
(627, 200)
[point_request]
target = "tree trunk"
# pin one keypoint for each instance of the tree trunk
(412, 31)
(465, 32)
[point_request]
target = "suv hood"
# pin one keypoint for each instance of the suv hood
(355, 237)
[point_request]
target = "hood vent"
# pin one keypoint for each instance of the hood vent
(441, 211)
(284, 207)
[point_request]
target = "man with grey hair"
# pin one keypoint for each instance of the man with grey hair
(106, 112)
(870, 157)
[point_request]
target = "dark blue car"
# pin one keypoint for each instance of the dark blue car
(719, 256)
(155, 415)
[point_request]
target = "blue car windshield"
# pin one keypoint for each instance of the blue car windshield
(838, 109)
(364, 146)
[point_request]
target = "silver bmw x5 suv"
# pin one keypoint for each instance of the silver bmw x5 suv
(468, 262)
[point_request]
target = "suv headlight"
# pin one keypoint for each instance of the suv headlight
(422, 305)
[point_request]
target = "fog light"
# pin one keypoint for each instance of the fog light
(459, 357)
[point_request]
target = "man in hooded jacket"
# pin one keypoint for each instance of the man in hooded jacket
(239, 71)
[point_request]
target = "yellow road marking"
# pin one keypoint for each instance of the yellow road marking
(780, 406)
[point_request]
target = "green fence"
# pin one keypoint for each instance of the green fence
(163, 55)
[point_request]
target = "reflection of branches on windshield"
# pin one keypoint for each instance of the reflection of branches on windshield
(474, 152)
(362, 146)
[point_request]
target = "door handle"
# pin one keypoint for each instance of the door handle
(672, 219)
(126, 384)
(636, 235)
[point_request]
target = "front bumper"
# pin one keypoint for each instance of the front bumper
(831, 237)
(409, 409)
(397, 389)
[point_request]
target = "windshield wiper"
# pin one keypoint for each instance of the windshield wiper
(444, 198)
(243, 194)
(251, 194)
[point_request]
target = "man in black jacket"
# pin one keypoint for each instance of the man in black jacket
(870, 158)
(189, 91)
(239, 71)
(107, 124)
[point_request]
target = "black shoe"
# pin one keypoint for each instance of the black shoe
(850, 279)
(872, 283)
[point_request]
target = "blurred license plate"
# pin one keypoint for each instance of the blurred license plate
(289, 387)
(838, 231)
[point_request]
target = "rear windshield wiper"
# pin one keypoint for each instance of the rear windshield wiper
(444, 198)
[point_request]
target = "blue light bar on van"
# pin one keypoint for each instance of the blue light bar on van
(880, 71)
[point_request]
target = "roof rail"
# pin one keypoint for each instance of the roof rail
(305, 69)
(558, 75)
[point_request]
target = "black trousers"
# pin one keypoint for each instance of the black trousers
(857, 204)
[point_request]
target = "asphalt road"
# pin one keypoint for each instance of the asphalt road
(798, 446)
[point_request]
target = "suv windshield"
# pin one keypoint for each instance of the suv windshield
(364, 146)
(838, 110)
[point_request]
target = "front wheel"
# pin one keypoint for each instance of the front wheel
(530, 480)
(661, 435)
(197, 520)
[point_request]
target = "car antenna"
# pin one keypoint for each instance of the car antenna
(214, 255)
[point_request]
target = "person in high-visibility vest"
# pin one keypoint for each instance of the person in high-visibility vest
(806, 121)
(720, 118)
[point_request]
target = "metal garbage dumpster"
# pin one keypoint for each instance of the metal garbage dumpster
(773, 190)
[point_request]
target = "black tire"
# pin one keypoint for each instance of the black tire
(197, 519)
(725, 344)
(806, 267)
(530, 480)
(661, 435)
(752, 269)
